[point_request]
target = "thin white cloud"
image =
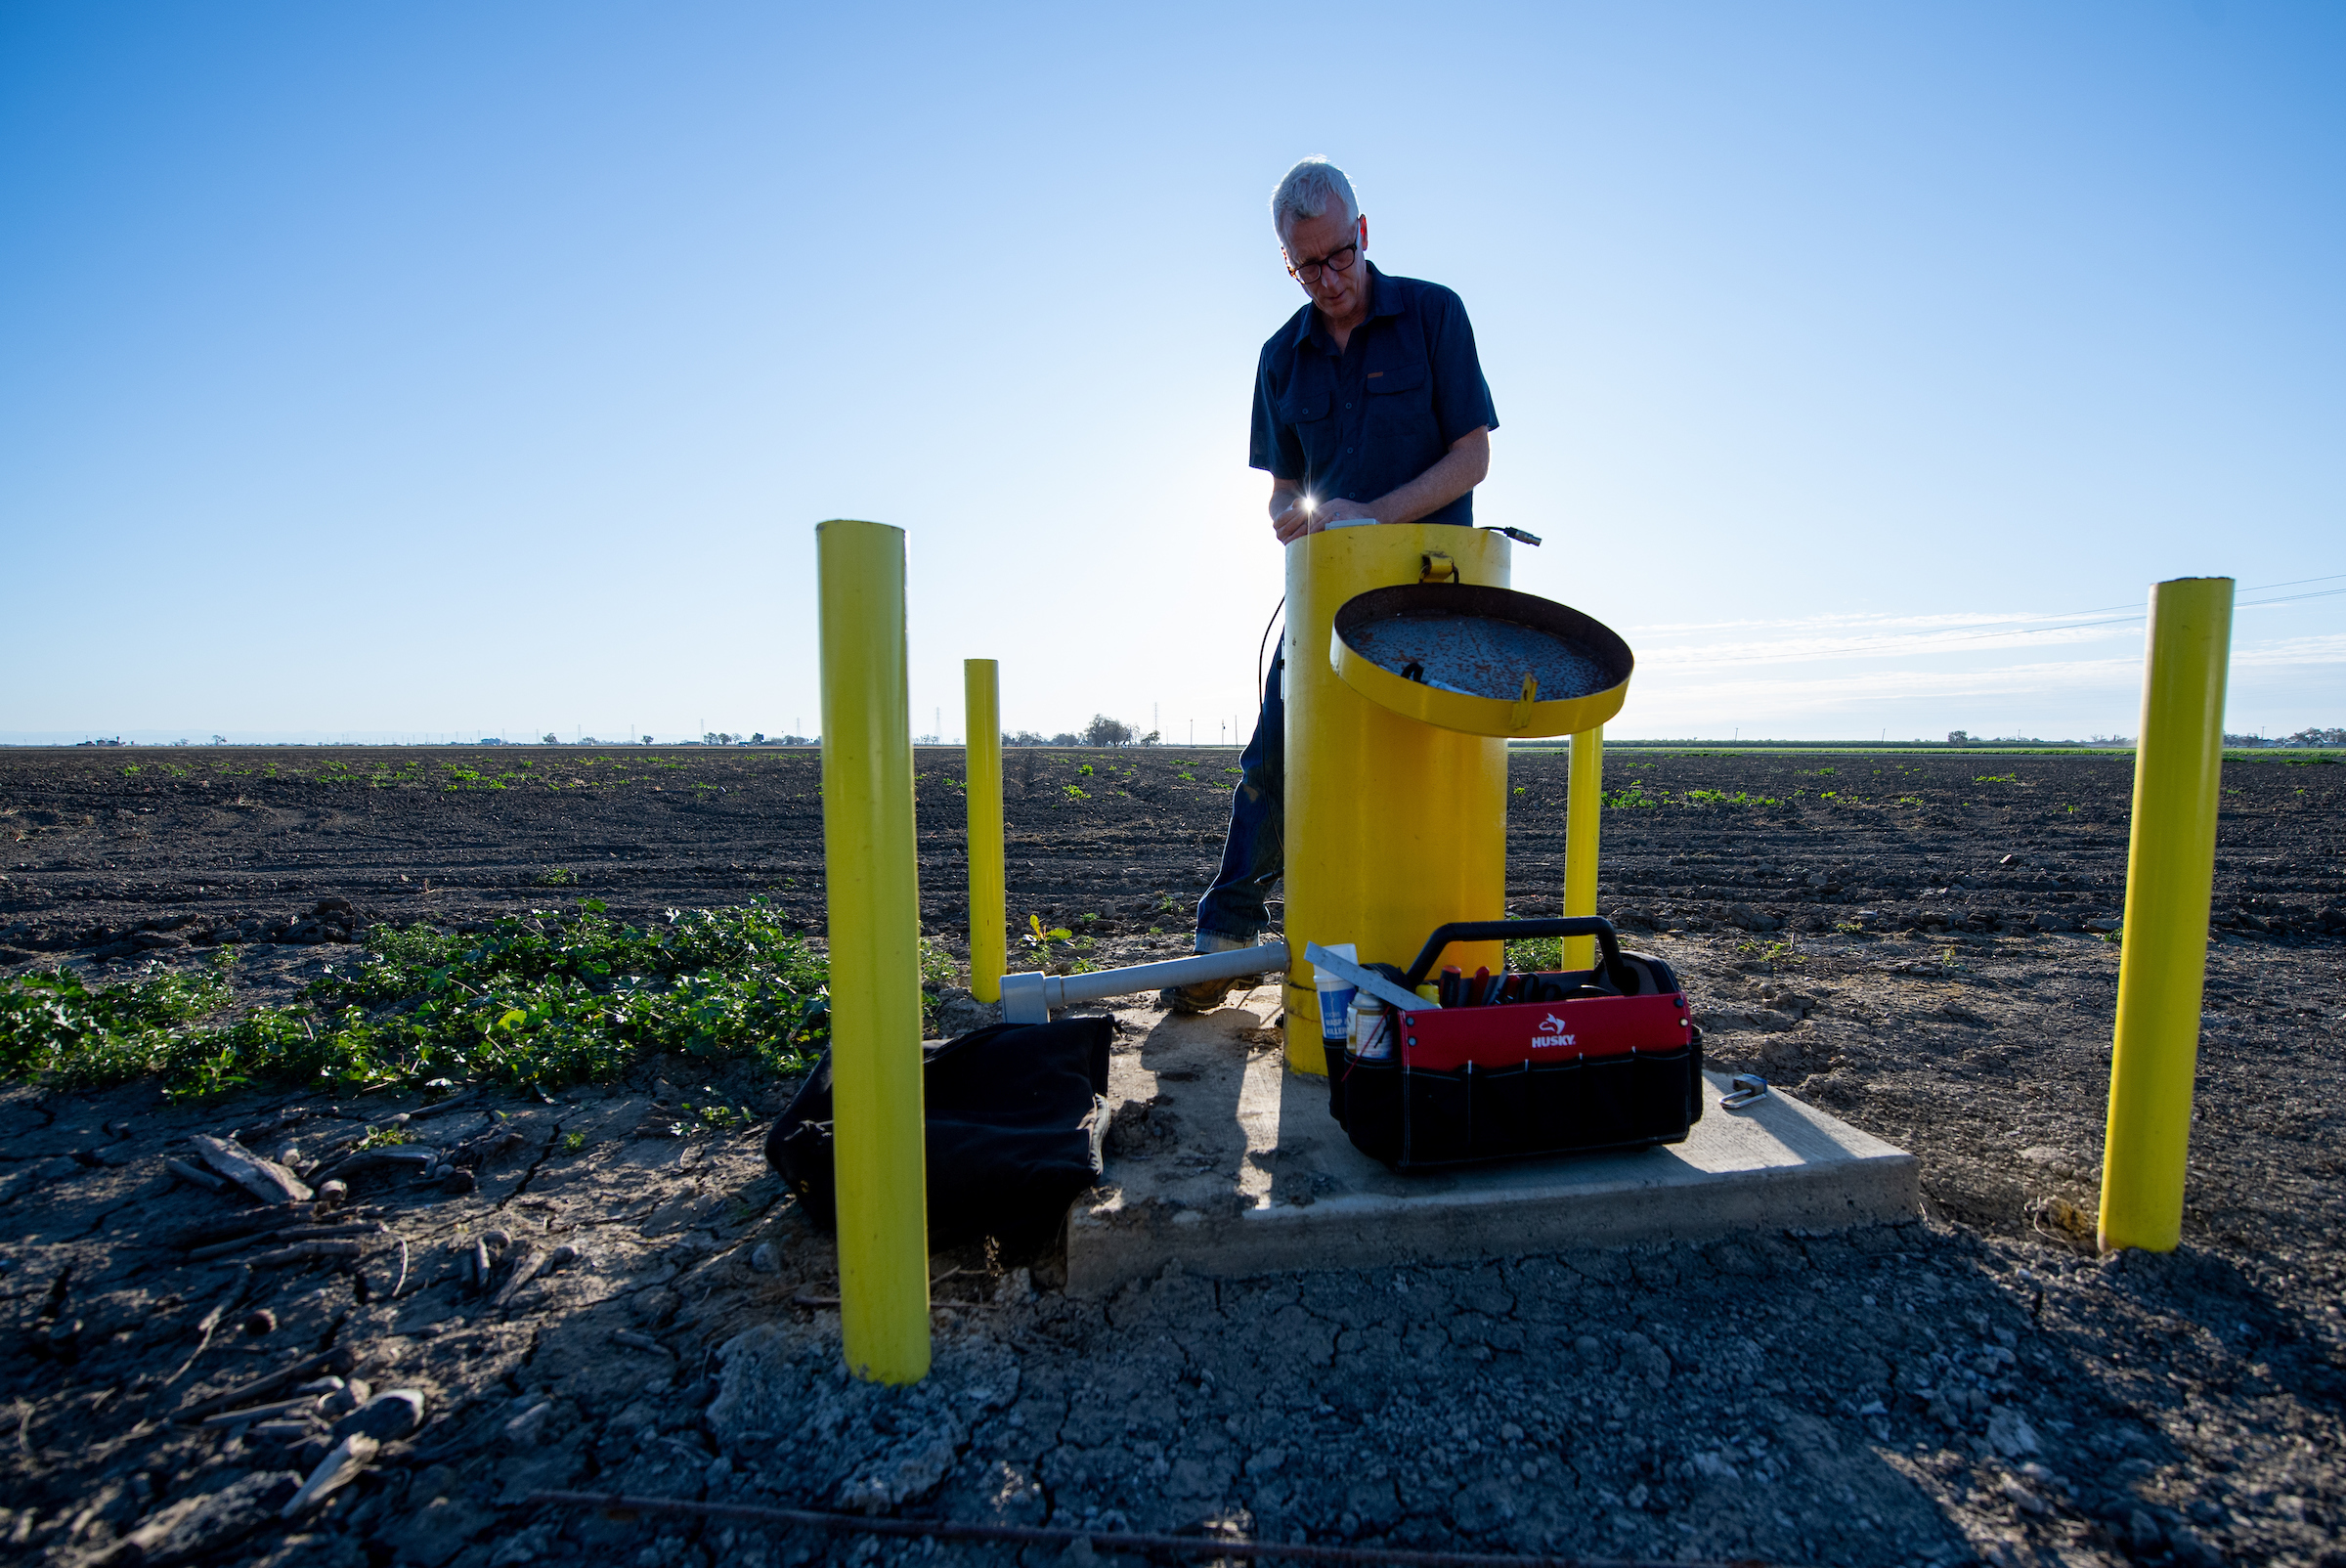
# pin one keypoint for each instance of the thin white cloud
(2328, 649)
(1809, 649)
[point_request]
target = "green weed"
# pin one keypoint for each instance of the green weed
(536, 1000)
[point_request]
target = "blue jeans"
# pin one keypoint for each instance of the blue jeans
(1255, 854)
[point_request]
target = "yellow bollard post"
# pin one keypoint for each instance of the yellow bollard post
(873, 890)
(2170, 875)
(981, 702)
(1583, 799)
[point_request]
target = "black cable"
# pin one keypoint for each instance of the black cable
(1260, 650)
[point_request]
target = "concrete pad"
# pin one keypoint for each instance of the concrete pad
(1222, 1158)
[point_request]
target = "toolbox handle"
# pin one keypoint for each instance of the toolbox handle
(1625, 978)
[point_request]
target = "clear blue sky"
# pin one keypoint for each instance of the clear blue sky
(478, 369)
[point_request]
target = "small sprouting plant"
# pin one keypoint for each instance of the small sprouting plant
(384, 1137)
(1076, 791)
(557, 877)
(1997, 778)
(573, 1142)
(1739, 798)
(1164, 905)
(1085, 770)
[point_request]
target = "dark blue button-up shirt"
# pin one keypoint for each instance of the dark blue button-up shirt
(1363, 422)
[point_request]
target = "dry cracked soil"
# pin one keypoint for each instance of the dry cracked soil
(628, 1300)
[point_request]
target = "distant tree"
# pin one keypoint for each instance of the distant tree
(1025, 737)
(588, 740)
(716, 737)
(647, 740)
(1959, 737)
(1149, 739)
(1106, 731)
(552, 739)
(1065, 738)
(758, 739)
(219, 740)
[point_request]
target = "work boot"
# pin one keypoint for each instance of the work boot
(1206, 995)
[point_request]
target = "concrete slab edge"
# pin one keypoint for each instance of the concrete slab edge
(1377, 1232)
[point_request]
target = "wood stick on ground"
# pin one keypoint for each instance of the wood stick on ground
(340, 1466)
(339, 1361)
(195, 1176)
(264, 1179)
(248, 1223)
(302, 1253)
(261, 1412)
(401, 1284)
(294, 1233)
(204, 1340)
(522, 1264)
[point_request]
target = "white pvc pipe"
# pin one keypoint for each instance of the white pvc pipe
(1029, 998)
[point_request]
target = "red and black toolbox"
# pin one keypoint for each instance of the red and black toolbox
(1554, 1062)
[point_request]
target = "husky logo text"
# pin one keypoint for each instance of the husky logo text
(1552, 1036)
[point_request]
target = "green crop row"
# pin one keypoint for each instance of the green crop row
(534, 1000)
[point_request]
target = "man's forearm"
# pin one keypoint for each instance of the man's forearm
(1462, 468)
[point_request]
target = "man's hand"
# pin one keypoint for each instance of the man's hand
(1337, 511)
(1293, 521)
(1299, 515)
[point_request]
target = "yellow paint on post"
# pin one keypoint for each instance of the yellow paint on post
(872, 888)
(2170, 873)
(1584, 798)
(981, 703)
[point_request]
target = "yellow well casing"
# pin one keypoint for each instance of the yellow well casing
(1393, 826)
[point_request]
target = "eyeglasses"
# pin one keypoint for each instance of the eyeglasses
(1336, 260)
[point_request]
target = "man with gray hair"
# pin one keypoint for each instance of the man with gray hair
(1370, 403)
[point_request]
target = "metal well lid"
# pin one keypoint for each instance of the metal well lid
(1483, 661)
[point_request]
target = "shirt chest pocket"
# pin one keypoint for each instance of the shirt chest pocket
(1397, 379)
(1305, 410)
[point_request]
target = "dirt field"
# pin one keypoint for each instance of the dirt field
(1905, 941)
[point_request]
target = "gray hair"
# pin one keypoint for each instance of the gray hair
(1310, 188)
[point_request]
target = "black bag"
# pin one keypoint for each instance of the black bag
(1601, 1059)
(1016, 1116)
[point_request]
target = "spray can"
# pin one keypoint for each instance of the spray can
(1370, 1031)
(1336, 998)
